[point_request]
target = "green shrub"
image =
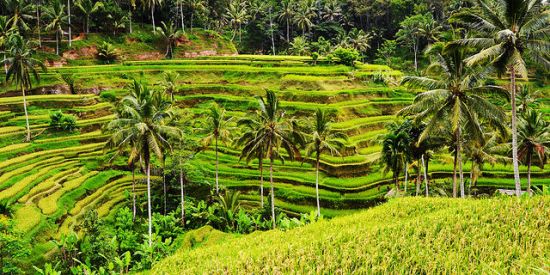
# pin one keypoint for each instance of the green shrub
(315, 57)
(60, 121)
(346, 56)
(108, 96)
(107, 53)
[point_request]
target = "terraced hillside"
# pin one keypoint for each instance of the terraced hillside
(53, 180)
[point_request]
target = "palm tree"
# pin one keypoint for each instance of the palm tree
(286, 14)
(454, 98)
(484, 151)
(88, 7)
(142, 121)
(151, 4)
(21, 11)
(252, 125)
(323, 138)
(534, 140)
(394, 151)
(219, 129)
(507, 32)
(527, 98)
(22, 66)
(332, 11)
(56, 14)
(237, 15)
(69, 21)
(273, 134)
(4, 34)
(194, 6)
(304, 15)
(170, 82)
(170, 35)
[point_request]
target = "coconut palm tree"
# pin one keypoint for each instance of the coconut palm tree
(527, 98)
(219, 130)
(252, 125)
(287, 12)
(56, 14)
(507, 32)
(21, 11)
(455, 99)
(273, 134)
(21, 68)
(88, 7)
(304, 15)
(534, 140)
(4, 34)
(170, 35)
(194, 6)
(142, 120)
(487, 150)
(323, 139)
(237, 14)
(394, 152)
(170, 82)
(151, 4)
(332, 11)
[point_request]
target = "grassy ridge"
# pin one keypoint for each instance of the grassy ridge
(410, 235)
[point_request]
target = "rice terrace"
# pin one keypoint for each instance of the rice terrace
(269, 137)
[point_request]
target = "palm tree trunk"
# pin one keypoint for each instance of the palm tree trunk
(261, 164)
(153, 17)
(191, 23)
(133, 193)
(181, 16)
(418, 180)
(5, 66)
(129, 19)
(28, 139)
(38, 24)
(455, 164)
(529, 160)
(517, 180)
(57, 42)
(471, 178)
(406, 177)
(164, 189)
(150, 228)
(415, 49)
(182, 199)
(271, 28)
(459, 154)
(425, 176)
(272, 191)
(69, 20)
(217, 163)
(317, 185)
(287, 31)
(88, 24)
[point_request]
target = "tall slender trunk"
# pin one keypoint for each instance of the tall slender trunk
(455, 165)
(317, 185)
(272, 191)
(150, 227)
(88, 24)
(191, 22)
(129, 20)
(38, 23)
(415, 49)
(133, 193)
(69, 20)
(529, 160)
(182, 198)
(287, 31)
(5, 66)
(271, 28)
(425, 175)
(517, 180)
(28, 139)
(459, 155)
(418, 180)
(261, 164)
(57, 42)
(153, 18)
(164, 189)
(181, 16)
(471, 179)
(406, 176)
(217, 162)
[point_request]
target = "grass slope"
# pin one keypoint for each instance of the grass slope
(409, 235)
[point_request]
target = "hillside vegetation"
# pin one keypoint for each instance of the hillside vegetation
(410, 235)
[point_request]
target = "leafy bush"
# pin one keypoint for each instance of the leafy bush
(315, 57)
(347, 56)
(107, 53)
(108, 96)
(60, 121)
